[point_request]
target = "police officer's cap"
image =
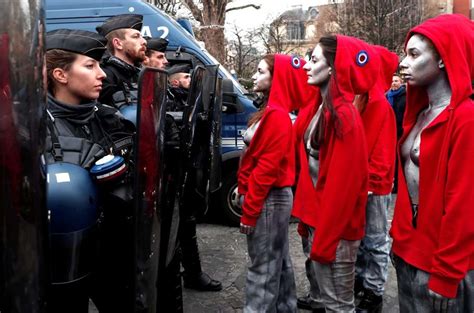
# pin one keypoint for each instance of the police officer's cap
(179, 68)
(134, 21)
(77, 41)
(157, 44)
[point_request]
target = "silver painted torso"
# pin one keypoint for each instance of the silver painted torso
(313, 154)
(410, 150)
(248, 135)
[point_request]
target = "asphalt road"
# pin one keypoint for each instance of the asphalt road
(224, 257)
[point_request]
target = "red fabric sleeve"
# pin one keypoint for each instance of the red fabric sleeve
(456, 235)
(273, 146)
(346, 179)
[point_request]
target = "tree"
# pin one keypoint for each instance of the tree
(171, 7)
(274, 37)
(211, 15)
(243, 52)
(382, 22)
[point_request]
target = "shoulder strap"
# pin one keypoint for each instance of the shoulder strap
(56, 152)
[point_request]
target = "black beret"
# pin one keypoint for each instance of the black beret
(157, 44)
(134, 21)
(77, 41)
(179, 68)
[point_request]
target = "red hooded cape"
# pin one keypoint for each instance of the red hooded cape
(269, 160)
(336, 206)
(443, 241)
(380, 127)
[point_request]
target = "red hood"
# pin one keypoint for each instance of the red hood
(357, 67)
(388, 66)
(453, 37)
(290, 90)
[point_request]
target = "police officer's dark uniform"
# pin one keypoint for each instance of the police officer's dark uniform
(120, 86)
(78, 136)
(177, 95)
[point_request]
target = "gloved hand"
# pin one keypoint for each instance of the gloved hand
(303, 230)
(246, 229)
(441, 304)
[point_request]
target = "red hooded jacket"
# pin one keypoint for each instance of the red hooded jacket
(442, 244)
(269, 160)
(380, 127)
(336, 206)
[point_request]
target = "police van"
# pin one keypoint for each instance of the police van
(87, 14)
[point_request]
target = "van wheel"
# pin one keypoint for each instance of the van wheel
(231, 209)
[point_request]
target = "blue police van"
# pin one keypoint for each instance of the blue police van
(87, 14)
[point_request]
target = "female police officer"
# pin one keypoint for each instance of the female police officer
(83, 136)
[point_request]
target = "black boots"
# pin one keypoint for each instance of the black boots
(369, 302)
(201, 282)
(307, 303)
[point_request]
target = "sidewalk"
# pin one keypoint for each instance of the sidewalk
(224, 257)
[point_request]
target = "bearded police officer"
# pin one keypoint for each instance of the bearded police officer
(127, 50)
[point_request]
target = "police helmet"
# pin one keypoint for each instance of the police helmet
(130, 113)
(72, 198)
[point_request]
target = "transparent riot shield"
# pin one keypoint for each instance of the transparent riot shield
(23, 214)
(148, 185)
(201, 139)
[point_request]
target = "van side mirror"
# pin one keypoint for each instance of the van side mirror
(229, 98)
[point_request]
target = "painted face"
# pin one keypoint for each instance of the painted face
(84, 79)
(156, 59)
(396, 83)
(317, 68)
(420, 67)
(262, 79)
(134, 46)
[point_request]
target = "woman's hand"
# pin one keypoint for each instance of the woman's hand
(246, 229)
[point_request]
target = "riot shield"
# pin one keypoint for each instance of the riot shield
(214, 163)
(148, 185)
(23, 214)
(201, 137)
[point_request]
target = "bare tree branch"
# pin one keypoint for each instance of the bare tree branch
(244, 7)
(195, 11)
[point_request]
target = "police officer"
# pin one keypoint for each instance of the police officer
(194, 278)
(81, 134)
(155, 53)
(127, 50)
(179, 83)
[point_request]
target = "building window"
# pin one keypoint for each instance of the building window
(295, 30)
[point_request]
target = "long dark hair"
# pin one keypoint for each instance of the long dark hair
(270, 60)
(328, 44)
(56, 58)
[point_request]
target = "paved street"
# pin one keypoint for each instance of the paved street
(224, 257)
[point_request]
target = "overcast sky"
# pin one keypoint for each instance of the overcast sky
(270, 9)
